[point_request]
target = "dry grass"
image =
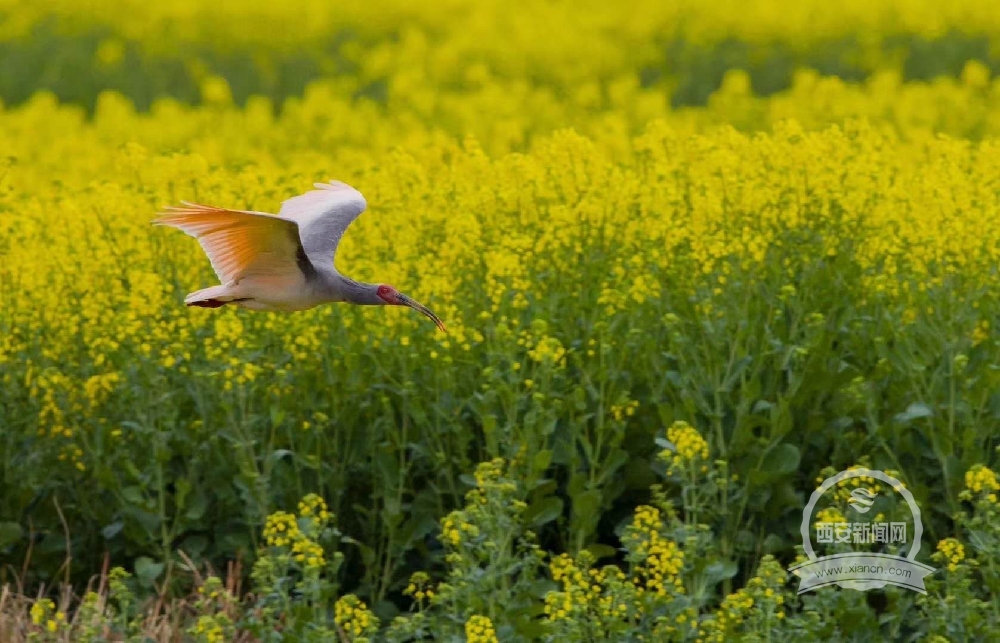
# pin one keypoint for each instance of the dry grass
(158, 619)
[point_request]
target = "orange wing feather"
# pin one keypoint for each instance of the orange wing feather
(238, 242)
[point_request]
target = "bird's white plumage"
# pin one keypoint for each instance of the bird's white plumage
(323, 215)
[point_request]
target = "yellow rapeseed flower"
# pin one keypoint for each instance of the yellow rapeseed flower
(981, 478)
(951, 551)
(479, 629)
(354, 617)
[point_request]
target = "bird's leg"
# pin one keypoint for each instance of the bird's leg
(215, 303)
(208, 303)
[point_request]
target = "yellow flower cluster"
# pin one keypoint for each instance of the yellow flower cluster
(950, 551)
(830, 515)
(659, 561)
(420, 587)
(455, 528)
(351, 613)
(980, 333)
(98, 388)
(479, 629)
(211, 587)
(281, 530)
(494, 492)
(487, 222)
(465, 41)
(313, 506)
(488, 474)
(604, 604)
(958, 106)
(762, 600)
(541, 346)
(548, 350)
(626, 410)
(842, 492)
(690, 445)
(586, 594)
(689, 448)
(734, 607)
(308, 553)
(980, 479)
(43, 614)
(209, 630)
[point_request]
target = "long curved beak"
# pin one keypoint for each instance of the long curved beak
(415, 305)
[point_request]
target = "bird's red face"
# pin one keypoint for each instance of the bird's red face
(393, 297)
(388, 294)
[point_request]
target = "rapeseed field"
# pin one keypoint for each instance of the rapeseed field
(694, 259)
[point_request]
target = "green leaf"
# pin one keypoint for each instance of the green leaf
(666, 413)
(544, 511)
(736, 373)
(112, 530)
(615, 461)
(197, 506)
(577, 485)
(774, 544)
(386, 462)
(182, 489)
(664, 443)
(744, 541)
(489, 425)
(277, 455)
(147, 571)
(602, 551)
(10, 533)
(586, 509)
(720, 571)
(782, 459)
(233, 540)
(914, 411)
(134, 495)
(367, 553)
(540, 462)
(194, 546)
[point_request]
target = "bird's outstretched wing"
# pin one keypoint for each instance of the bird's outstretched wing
(240, 243)
(323, 215)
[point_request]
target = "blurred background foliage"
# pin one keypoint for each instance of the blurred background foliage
(76, 50)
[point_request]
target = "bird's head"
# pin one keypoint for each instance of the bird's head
(393, 297)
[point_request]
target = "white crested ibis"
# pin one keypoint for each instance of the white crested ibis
(283, 262)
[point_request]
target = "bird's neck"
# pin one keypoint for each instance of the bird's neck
(358, 292)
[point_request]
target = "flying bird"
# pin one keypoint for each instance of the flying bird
(283, 262)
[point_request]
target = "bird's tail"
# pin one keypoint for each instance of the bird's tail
(210, 297)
